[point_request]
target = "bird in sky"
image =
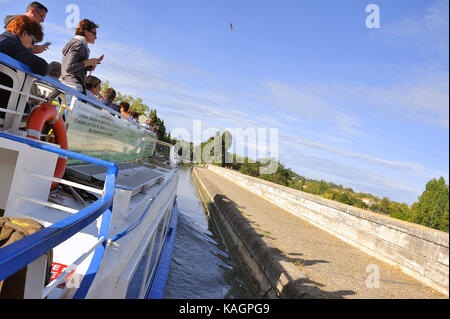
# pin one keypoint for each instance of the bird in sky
(231, 26)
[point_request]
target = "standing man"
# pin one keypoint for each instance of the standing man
(36, 12)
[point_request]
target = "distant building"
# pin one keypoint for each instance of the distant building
(369, 201)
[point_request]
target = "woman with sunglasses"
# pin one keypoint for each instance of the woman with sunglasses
(75, 61)
(20, 35)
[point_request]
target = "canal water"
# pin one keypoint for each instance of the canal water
(201, 266)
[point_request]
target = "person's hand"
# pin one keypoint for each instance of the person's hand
(36, 49)
(91, 62)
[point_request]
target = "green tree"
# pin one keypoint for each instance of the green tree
(322, 187)
(330, 195)
(359, 203)
(345, 198)
(281, 176)
(136, 104)
(385, 205)
(296, 185)
(227, 140)
(400, 211)
(236, 165)
(249, 168)
(103, 87)
(159, 124)
(432, 209)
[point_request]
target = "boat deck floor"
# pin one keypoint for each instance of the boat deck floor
(130, 175)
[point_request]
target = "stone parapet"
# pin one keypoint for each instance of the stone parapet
(419, 251)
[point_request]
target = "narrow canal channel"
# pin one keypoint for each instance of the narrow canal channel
(201, 267)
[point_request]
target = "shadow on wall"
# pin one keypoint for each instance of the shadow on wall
(270, 259)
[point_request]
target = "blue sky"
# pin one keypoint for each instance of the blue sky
(365, 108)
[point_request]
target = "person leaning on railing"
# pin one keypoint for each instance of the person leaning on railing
(124, 109)
(93, 84)
(108, 99)
(37, 12)
(149, 125)
(134, 116)
(16, 41)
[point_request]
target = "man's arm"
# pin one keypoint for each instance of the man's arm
(36, 49)
(36, 64)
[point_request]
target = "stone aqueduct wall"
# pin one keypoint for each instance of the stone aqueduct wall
(418, 251)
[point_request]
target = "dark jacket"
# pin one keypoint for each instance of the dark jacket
(72, 66)
(11, 45)
(111, 105)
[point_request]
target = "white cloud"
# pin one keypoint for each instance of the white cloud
(56, 29)
(425, 101)
(360, 179)
(420, 96)
(332, 139)
(426, 33)
(397, 180)
(304, 104)
(412, 168)
(421, 92)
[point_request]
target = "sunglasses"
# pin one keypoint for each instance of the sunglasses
(41, 14)
(93, 32)
(33, 40)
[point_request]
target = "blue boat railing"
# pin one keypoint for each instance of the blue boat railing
(21, 253)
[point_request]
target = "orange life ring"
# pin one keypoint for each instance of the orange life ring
(48, 113)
